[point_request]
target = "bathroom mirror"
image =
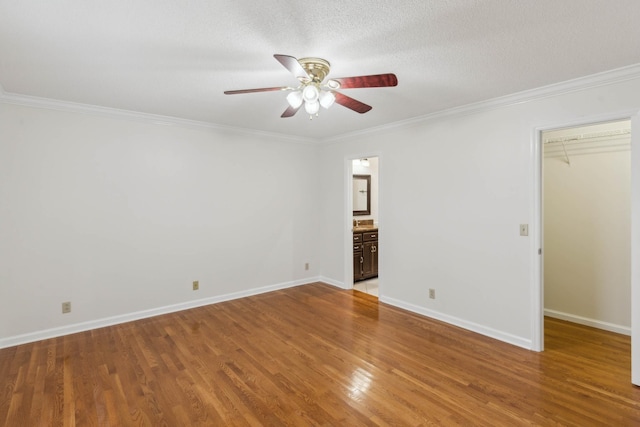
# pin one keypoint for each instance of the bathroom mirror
(361, 195)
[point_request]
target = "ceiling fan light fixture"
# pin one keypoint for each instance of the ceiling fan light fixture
(312, 107)
(327, 99)
(310, 93)
(295, 99)
(333, 84)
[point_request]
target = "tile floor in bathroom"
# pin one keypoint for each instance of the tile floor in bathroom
(368, 286)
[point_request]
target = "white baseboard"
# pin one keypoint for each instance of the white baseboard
(109, 321)
(332, 282)
(474, 327)
(611, 327)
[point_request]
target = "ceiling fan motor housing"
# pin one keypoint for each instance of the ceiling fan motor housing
(316, 68)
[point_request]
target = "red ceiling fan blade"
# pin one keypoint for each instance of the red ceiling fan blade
(262, 89)
(290, 112)
(351, 103)
(292, 64)
(376, 80)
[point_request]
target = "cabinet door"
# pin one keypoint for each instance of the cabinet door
(367, 255)
(374, 259)
(370, 256)
(357, 263)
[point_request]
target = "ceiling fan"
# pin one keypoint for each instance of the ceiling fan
(313, 92)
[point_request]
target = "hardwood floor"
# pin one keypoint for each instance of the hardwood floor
(315, 355)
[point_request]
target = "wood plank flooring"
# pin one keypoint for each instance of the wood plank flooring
(315, 355)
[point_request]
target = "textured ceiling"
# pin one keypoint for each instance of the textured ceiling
(175, 58)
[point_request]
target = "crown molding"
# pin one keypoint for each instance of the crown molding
(604, 78)
(594, 80)
(156, 119)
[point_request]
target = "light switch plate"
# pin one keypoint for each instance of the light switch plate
(524, 229)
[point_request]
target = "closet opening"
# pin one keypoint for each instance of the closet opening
(586, 225)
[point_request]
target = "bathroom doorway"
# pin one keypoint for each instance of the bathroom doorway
(365, 224)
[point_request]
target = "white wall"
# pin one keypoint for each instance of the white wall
(120, 216)
(635, 247)
(453, 192)
(587, 238)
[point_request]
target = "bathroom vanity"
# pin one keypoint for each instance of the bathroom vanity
(365, 253)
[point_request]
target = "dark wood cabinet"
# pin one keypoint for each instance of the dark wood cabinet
(365, 255)
(358, 261)
(369, 261)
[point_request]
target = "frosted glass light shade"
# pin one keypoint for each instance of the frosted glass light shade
(310, 93)
(312, 107)
(327, 99)
(295, 99)
(333, 84)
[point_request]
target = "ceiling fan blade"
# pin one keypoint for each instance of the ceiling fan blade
(376, 80)
(351, 103)
(262, 89)
(292, 64)
(290, 112)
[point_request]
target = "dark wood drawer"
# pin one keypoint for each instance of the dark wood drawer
(357, 247)
(367, 237)
(357, 237)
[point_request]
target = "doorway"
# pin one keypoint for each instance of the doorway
(586, 213)
(536, 243)
(364, 230)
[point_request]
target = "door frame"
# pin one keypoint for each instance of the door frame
(348, 216)
(537, 270)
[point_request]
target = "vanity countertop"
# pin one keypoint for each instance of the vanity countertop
(364, 229)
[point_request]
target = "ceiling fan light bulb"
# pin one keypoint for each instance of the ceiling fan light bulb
(327, 99)
(312, 107)
(295, 99)
(310, 93)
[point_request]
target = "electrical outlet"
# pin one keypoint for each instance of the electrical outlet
(432, 293)
(524, 229)
(66, 307)
(306, 265)
(196, 285)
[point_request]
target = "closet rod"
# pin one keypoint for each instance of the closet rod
(594, 135)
